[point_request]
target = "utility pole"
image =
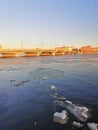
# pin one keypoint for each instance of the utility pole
(1, 47)
(21, 45)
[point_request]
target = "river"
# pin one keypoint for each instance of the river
(26, 99)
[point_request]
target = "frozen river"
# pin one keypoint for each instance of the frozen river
(26, 98)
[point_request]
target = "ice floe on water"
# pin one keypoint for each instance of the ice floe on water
(67, 101)
(83, 111)
(20, 83)
(45, 73)
(13, 68)
(55, 95)
(44, 78)
(12, 80)
(77, 124)
(61, 117)
(35, 123)
(53, 87)
(80, 112)
(92, 126)
(61, 99)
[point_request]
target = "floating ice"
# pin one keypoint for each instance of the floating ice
(81, 113)
(35, 123)
(53, 87)
(44, 78)
(77, 124)
(13, 69)
(54, 95)
(22, 83)
(68, 102)
(92, 126)
(61, 117)
(12, 80)
(61, 99)
(45, 73)
(83, 110)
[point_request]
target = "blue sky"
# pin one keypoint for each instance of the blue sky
(48, 23)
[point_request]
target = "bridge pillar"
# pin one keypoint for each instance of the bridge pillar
(53, 53)
(38, 53)
(1, 55)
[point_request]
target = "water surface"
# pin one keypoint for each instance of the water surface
(26, 100)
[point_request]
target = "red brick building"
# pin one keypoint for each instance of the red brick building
(88, 50)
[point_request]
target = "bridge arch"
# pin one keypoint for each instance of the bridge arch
(31, 53)
(8, 54)
(59, 52)
(46, 53)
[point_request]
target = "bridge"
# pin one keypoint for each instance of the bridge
(4, 53)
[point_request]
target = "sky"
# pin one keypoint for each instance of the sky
(48, 23)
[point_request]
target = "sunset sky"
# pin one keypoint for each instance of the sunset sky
(48, 23)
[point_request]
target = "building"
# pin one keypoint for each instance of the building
(88, 50)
